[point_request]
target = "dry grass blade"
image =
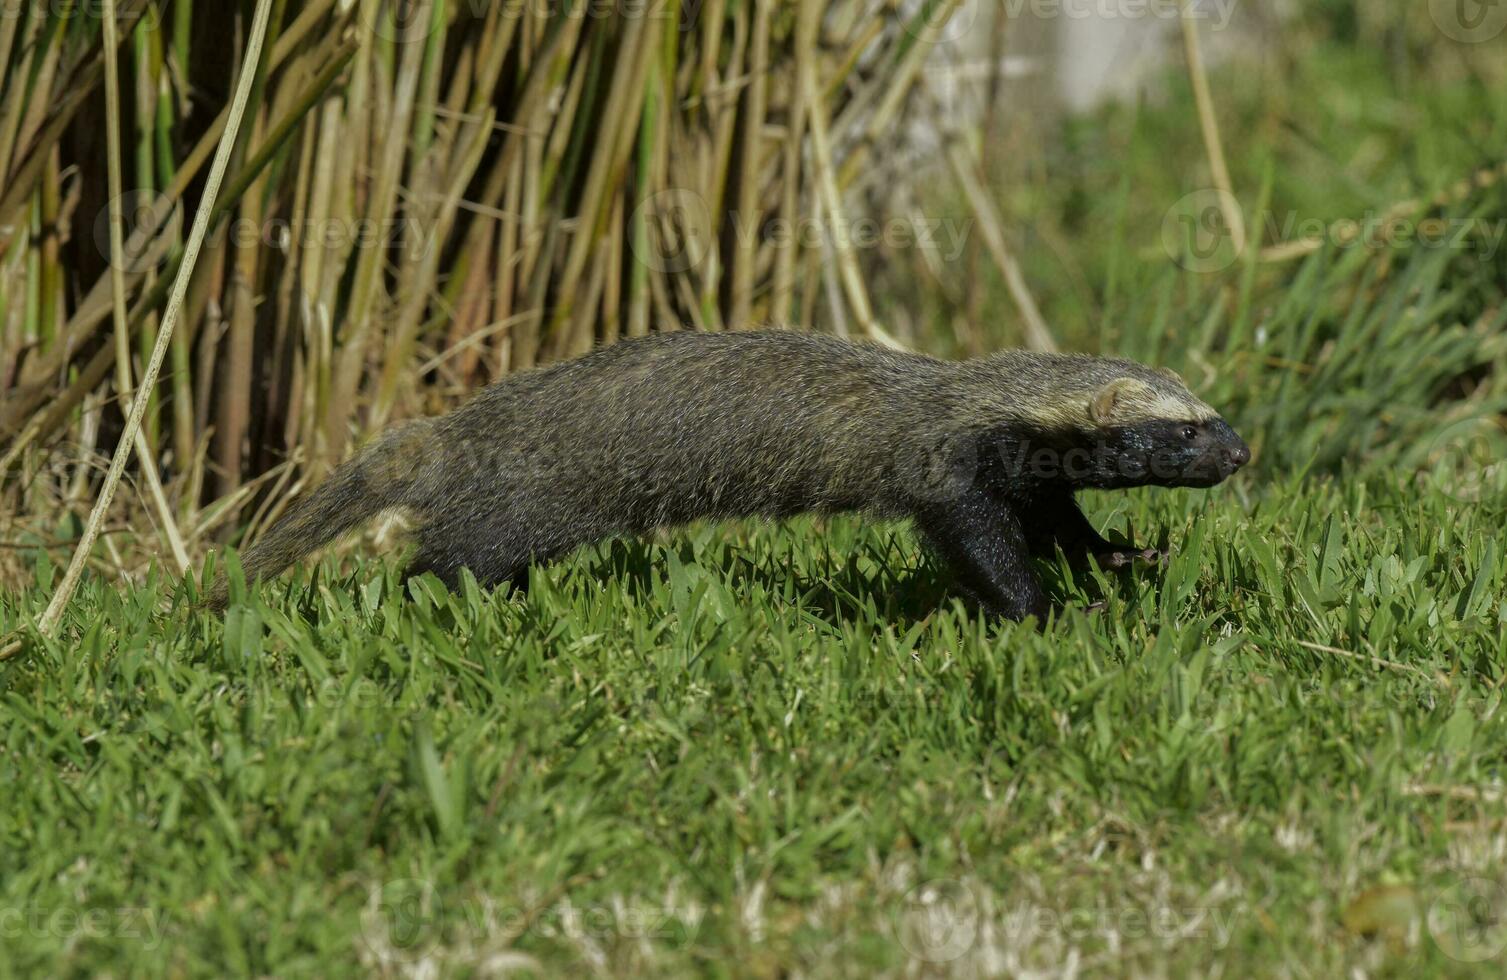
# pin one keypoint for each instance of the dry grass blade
(118, 286)
(1209, 123)
(1037, 335)
(1367, 658)
(852, 279)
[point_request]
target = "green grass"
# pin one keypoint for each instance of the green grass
(766, 750)
(747, 751)
(756, 750)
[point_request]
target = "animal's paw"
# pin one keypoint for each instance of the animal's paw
(1126, 557)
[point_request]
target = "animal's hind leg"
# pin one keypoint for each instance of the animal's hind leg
(490, 554)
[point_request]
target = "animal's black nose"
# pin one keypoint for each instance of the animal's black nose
(1240, 455)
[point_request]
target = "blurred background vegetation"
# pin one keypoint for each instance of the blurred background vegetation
(429, 194)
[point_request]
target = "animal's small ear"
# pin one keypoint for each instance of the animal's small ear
(1167, 372)
(1110, 400)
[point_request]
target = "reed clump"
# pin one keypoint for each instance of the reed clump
(425, 195)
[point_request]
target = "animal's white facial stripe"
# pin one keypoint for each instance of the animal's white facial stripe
(1166, 407)
(1135, 401)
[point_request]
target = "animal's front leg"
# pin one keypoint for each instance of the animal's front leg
(983, 542)
(1053, 519)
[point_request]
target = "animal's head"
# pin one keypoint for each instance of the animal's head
(1116, 423)
(1148, 429)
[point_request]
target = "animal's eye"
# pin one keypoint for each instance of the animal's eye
(1190, 433)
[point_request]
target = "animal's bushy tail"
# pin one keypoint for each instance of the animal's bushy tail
(372, 481)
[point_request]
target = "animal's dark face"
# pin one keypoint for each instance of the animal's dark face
(1165, 453)
(1114, 424)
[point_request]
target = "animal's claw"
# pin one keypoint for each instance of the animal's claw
(1125, 557)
